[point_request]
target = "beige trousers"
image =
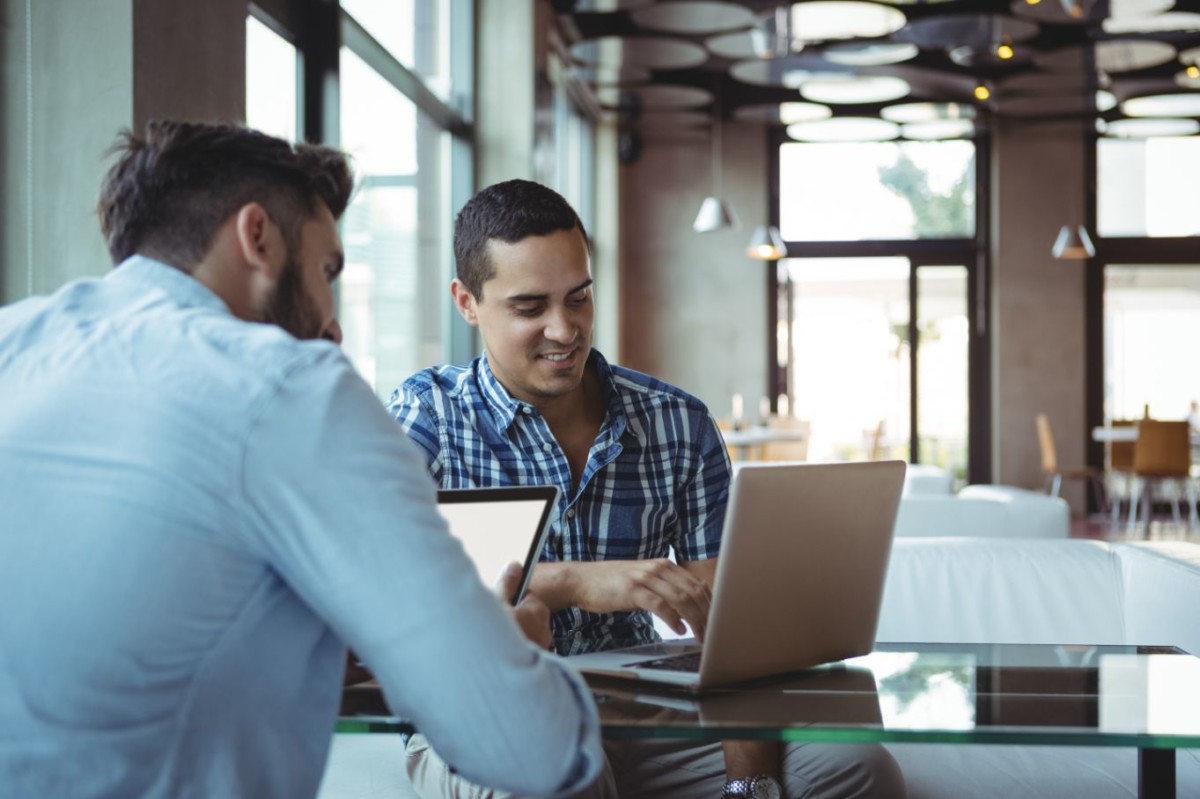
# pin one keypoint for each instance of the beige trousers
(673, 769)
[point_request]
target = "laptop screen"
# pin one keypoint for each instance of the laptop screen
(500, 525)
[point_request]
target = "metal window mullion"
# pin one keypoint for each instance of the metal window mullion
(404, 80)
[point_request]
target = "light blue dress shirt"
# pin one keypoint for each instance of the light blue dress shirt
(195, 513)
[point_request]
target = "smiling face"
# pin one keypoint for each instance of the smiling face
(535, 314)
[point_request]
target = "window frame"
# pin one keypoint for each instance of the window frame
(971, 253)
(319, 29)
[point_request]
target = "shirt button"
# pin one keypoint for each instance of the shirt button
(525, 409)
(570, 513)
(578, 636)
(548, 447)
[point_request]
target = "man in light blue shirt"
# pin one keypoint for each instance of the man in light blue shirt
(201, 501)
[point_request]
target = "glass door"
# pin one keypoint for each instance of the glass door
(852, 368)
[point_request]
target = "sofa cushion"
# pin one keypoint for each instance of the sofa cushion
(920, 478)
(984, 511)
(995, 590)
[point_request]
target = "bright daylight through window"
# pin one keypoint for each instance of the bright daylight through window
(886, 190)
(1147, 187)
(393, 287)
(1151, 316)
(270, 81)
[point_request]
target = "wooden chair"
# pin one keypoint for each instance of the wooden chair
(880, 449)
(1120, 471)
(1162, 456)
(1055, 474)
(788, 450)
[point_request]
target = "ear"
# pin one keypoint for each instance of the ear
(260, 241)
(464, 301)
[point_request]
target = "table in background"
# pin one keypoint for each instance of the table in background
(1146, 698)
(1128, 434)
(742, 440)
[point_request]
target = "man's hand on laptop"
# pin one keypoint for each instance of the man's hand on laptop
(664, 588)
(531, 614)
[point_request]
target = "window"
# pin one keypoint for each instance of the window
(850, 355)
(885, 190)
(943, 347)
(271, 70)
(852, 364)
(396, 229)
(415, 32)
(1151, 320)
(1147, 187)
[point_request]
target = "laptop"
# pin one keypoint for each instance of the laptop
(803, 560)
(499, 525)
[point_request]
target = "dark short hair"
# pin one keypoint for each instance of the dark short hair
(509, 212)
(170, 191)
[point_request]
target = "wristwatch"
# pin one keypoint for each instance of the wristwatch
(760, 787)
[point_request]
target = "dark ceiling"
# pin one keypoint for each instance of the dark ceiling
(1062, 51)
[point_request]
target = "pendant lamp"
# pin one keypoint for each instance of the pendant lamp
(715, 214)
(766, 244)
(1073, 244)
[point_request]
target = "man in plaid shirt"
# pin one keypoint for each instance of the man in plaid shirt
(642, 471)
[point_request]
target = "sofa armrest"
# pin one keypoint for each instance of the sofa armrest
(1162, 591)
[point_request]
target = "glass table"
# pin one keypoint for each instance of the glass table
(1146, 698)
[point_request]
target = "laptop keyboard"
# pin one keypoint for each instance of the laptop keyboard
(689, 661)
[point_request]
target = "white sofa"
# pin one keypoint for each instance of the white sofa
(929, 508)
(980, 590)
(984, 511)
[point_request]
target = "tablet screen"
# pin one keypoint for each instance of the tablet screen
(500, 525)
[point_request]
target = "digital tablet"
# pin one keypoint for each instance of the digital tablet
(500, 525)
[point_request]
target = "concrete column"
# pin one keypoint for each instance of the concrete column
(509, 53)
(189, 60)
(606, 237)
(1038, 302)
(693, 305)
(75, 73)
(67, 90)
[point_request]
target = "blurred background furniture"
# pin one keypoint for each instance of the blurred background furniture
(792, 445)
(982, 511)
(1055, 474)
(1162, 459)
(1120, 478)
(789, 438)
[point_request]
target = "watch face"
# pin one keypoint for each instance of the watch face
(765, 788)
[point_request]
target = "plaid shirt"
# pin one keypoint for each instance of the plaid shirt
(656, 479)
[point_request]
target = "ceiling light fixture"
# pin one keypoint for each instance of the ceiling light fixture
(715, 214)
(766, 244)
(982, 92)
(1004, 51)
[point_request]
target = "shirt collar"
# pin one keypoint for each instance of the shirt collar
(505, 408)
(175, 283)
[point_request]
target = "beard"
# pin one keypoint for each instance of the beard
(290, 307)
